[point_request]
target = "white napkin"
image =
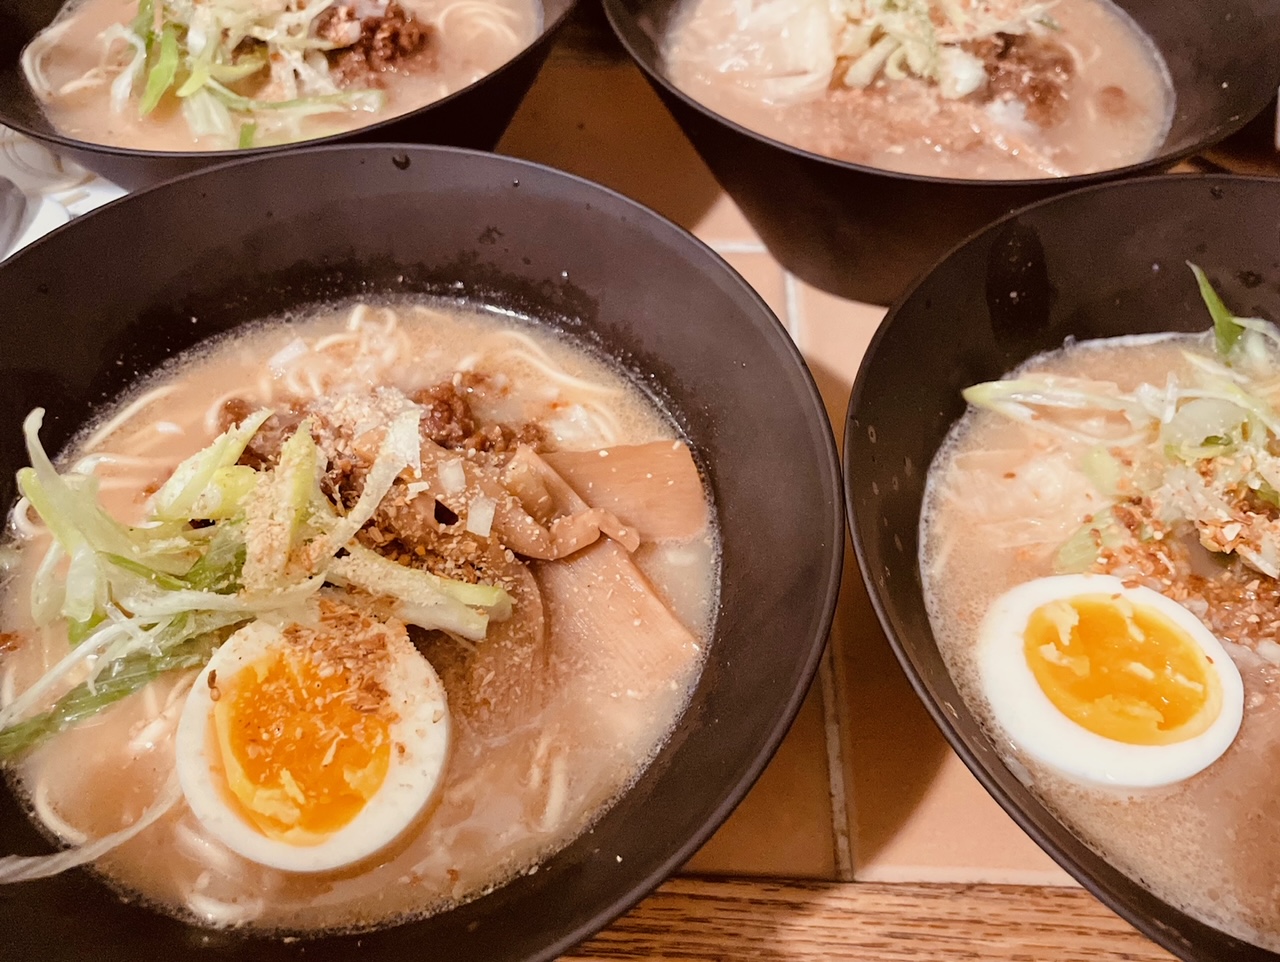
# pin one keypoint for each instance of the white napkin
(57, 189)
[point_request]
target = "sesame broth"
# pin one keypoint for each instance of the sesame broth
(541, 743)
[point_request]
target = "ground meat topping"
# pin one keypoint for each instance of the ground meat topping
(1033, 70)
(338, 27)
(1234, 601)
(410, 526)
(448, 421)
(264, 448)
(446, 418)
(390, 42)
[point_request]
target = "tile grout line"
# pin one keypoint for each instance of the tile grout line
(795, 316)
(837, 789)
(835, 769)
(737, 247)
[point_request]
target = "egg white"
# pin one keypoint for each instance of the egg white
(1035, 725)
(422, 728)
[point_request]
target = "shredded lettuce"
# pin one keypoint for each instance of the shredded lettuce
(191, 50)
(225, 73)
(1019, 399)
(144, 23)
(284, 504)
(224, 496)
(1079, 552)
(795, 50)
(1103, 470)
(219, 568)
(206, 115)
(190, 479)
(1204, 427)
(47, 587)
(336, 102)
(243, 72)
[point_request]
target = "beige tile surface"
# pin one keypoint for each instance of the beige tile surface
(599, 118)
(723, 226)
(783, 828)
(916, 814)
(763, 273)
(833, 334)
(592, 113)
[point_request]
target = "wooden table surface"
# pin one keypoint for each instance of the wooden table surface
(710, 920)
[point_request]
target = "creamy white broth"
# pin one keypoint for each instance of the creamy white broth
(520, 782)
(1001, 499)
(1120, 103)
(470, 39)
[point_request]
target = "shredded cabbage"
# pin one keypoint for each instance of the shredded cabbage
(191, 50)
(795, 50)
(1198, 451)
(141, 602)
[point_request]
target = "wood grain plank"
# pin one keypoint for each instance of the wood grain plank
(705, 920)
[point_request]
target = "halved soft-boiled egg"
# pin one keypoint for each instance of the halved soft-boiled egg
(1108, 684)
(310, 746)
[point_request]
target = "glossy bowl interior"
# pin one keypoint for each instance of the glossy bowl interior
(474, 116)
(98, 302)
(866, 233)
(1097, 263)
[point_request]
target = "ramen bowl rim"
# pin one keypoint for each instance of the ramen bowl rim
(905, 652)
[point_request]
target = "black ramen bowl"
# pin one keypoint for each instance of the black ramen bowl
(474, 116)
(866, 233)
(100, 301)
(1098, 263)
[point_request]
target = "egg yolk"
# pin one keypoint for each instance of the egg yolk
(1122, 671)
(300, 757)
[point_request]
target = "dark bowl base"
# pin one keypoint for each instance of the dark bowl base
(866, 234)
